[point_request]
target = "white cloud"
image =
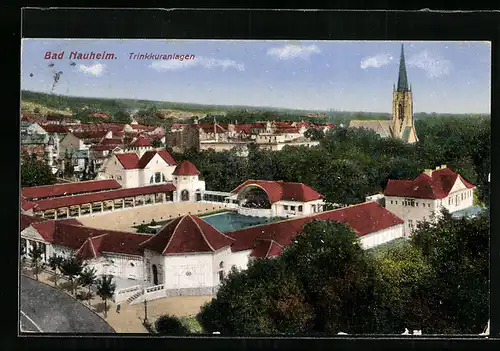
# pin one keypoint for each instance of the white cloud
(96, 69)
(376, 61)
(291, 51)
(172, 65)
(434, 66)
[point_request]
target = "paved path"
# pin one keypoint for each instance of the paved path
(45, 309)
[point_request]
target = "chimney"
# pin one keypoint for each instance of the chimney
(428, 172)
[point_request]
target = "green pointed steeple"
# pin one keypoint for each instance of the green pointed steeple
(402, 79)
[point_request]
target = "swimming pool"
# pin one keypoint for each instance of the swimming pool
(229, 221)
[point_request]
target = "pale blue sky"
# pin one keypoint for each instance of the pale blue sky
(453, 77)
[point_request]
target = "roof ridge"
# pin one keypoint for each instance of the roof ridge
(173, 234)
(202, 234)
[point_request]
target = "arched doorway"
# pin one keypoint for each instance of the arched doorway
(155, 275)
(254, 197)
(198, 195)
(184, 195)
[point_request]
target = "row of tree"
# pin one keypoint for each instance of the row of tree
(324, 283)
(76, 271)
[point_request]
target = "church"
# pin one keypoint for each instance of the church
(402, 124)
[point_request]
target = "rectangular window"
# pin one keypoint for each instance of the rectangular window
(396, 202)
(391, 202)
(292, 208)
(416, 204)
(313, 207)
(428, 205)
(410, 223)
(300, 208)
(285, 207)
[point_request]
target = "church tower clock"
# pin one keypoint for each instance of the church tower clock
(402, 126)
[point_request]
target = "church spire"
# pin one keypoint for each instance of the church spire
(402, 79)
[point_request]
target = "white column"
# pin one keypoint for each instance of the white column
(55, 213)
(67, 212)
(90, 208)
(79, 210)
(133, 201)
(102, 206)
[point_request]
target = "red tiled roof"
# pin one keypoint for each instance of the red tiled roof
(365, 218)
(288, 130)
(148, 156)
(437, 186)
(209, 128)
(97, 134)
(279, 190)
(103, 147)
(141, 141)
(66, 201)
(243, 128)
(55, 128)
(47, 229)
(128, 160)
(110, 141)
(187, 234)
(26, 205)
(33, 117)
(266, 249)
(69, 188)
(186, 168)
(26, 221)
(89, 242)
(102, 241)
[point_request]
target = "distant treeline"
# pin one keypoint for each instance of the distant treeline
(147, 109)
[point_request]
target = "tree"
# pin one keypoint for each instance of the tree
(170, 325)
(105, 289)
(36, 255)
(314, 134)
(36, 173)
(321, 283)
(122, 117)
(264, 299)
(86, 279)
(68, 163)
(71, 267)
(457, 293)
(55, 262)
(156, 143)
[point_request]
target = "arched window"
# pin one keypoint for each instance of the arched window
(221, 271)
(158, 177)
(184, 195)
(400, 112)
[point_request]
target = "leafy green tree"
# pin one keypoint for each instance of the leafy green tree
(36, 256)
(121, 117)
(71, 267)
(55, 262)
(264, 299)
(105, 289)
(170, 325)
(314, 134)
(86, 279)
(457, 250)
(36, 173)
(156, 143)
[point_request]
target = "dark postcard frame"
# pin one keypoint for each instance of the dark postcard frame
(256, 24)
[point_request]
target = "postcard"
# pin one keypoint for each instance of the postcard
(255, 187)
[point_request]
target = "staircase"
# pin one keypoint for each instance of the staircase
(135, 296)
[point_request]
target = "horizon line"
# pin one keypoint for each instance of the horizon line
(239, 105)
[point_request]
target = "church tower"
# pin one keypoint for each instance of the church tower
(402, 126)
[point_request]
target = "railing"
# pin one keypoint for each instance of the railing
(154, 288)
(126, 290)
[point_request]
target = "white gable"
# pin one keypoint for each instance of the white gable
(459, 185)
(157, 162)
(31, 234)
